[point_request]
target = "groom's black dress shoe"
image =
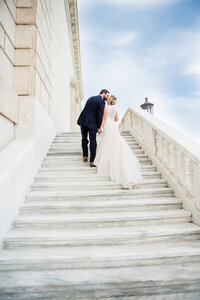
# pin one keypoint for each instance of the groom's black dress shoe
(85, 158)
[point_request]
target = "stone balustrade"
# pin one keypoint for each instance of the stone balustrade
(176, 155)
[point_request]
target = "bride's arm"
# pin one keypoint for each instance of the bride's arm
(116, 117)
(103, 120)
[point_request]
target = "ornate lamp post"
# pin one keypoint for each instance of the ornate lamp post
(147, 106)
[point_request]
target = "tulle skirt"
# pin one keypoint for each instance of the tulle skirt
(115, 158)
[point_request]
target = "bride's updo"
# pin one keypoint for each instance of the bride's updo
(113, 100)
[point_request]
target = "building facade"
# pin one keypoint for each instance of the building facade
(40, 90)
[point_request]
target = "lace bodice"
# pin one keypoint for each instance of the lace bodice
(111, 111)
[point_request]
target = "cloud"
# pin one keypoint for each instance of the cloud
(140, 4)
(112, 37)
(123, 38)
(191, 52)
(145, 61)
(193, 68)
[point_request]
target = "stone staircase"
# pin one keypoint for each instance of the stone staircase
(80, 236)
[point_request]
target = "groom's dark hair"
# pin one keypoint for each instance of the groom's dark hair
(104, 91)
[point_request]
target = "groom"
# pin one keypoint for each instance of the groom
(90, 121)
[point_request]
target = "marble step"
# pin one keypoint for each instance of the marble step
(78, 153)
(79, 168)
(73, 206)
(101, 194)
(51, 177)
(73, 133)
(68, 158)
(106, 219)
(94, 182)
(74, 139)
(66, 161)
(99, 236)
(63, 152)
(85, 168)
(136, 150)
(84, 185)
(70, 145)
(114, 256)
(77, 145)
(130, 140)
(65, 149)
(78, 139)
(62, 176)
(180, 281)
(69, 139)
(93, 185)
(78, 134)
(68, 142)
(77, 160)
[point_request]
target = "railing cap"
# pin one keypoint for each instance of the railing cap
(180, 139)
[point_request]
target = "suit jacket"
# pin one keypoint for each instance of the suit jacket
(92, 114)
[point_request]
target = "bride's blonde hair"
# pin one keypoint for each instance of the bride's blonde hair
(113, 100)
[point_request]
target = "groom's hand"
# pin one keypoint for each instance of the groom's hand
(99, 131)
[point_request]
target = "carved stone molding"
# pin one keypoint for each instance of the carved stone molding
(72, 16)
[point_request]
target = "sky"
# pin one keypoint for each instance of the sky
(144, 48)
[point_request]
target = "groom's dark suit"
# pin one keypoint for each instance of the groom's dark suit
(90, 120)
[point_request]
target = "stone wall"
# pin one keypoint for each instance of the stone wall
(8, 96)
(43, 63)
(40, 90)
(63, 70)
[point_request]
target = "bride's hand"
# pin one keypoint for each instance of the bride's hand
(99, 131)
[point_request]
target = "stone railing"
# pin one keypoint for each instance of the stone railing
(176, 155)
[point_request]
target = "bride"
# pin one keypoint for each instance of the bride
(114, 157)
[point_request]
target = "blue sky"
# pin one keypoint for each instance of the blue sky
(144, 48)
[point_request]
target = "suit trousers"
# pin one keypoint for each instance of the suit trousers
(93, 144)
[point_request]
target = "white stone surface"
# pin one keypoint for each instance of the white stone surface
(7, 20)
(9, 103)
(62, 68)
(9, 48)
(25, 3)
(45, 132)
(17, 171)
(24, 57)
(24, 80)
(6, 69)
(12, 7)
(19, 162)
(2, 37)
(41, 107)
(25, 36)
(98, 240)
(6, 132)
(26, 15)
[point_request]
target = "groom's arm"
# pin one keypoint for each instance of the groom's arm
(100, 114)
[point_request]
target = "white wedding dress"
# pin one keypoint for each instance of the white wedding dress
(114, 157)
